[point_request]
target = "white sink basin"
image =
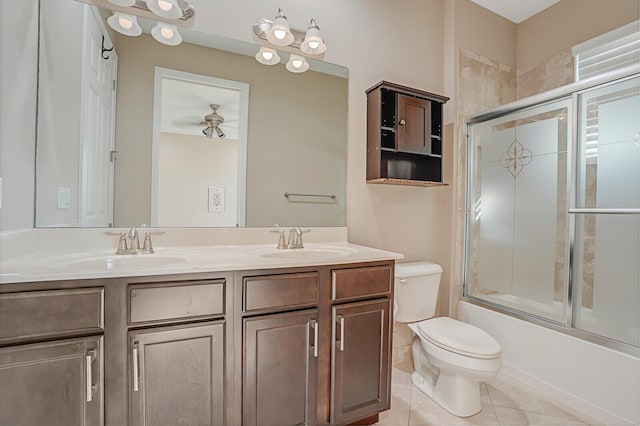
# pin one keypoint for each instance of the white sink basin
(121, 262)
(313, 253)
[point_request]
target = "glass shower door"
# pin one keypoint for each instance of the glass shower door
(517, 235)
(606, 273)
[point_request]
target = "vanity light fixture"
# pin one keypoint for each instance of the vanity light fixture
(297, 64)
(169, 14)
(280, 32)
(125, 24)
(268, 56)
(166, 34)
(313, 43)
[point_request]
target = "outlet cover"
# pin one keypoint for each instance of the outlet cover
(216, 199)
(64, 198)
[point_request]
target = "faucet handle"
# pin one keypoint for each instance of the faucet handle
(281, 242)
(147, 245)
(122, 242)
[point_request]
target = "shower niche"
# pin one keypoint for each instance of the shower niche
(404, 135)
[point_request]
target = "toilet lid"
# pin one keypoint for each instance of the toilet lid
(459, 337)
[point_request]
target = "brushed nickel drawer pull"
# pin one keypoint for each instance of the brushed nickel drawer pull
(341, 341)
(89, 379)
(314, 325)
(135, 368)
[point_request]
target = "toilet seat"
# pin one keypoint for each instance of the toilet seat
(459, 337)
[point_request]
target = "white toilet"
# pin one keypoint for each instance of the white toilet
(450, 357)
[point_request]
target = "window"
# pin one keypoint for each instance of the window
(614, 50)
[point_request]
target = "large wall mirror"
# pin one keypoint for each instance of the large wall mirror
(122, 130)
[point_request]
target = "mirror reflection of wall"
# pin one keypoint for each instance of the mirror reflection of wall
(296, 134)
(195, 179)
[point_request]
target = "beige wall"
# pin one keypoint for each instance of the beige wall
(568, 23)
(296, 135)
(188, 166)
(18, 79)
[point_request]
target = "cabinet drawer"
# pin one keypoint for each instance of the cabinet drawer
(279, 291)
(38, 314)
(354, 283)
(176, 301)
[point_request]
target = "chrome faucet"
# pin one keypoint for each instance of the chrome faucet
(132, 246)
(295, 237)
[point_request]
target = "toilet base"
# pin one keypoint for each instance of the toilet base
(466, 402)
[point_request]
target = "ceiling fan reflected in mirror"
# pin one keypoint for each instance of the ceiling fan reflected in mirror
(213, 122)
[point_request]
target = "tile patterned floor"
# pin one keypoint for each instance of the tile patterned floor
(502, 404)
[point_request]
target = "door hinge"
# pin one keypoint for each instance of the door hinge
(113, 85)
(112, 156)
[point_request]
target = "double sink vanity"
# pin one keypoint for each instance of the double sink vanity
(239, 332)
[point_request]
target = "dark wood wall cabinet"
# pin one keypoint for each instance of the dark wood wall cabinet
(297, 346)
(404, 135)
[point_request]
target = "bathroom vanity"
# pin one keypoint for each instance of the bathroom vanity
(267, 341)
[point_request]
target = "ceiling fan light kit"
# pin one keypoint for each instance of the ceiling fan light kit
(213, 122)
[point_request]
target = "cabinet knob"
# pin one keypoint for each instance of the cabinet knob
(403, 122)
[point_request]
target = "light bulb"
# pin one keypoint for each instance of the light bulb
(166, 32)
(280, 34)
(125, 23)
(314, 44)
(164, 5)
(297, 64)
(267, 56)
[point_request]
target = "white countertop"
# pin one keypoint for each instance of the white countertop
(50, 262)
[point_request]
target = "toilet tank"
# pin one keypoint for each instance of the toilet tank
(416, 290)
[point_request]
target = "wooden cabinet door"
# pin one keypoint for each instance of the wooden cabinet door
(360, 360)
(280, 369)
(177, 375)
(58, 382)
(413, 125)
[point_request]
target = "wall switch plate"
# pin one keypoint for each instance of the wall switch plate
(216, 199)
(64, 197)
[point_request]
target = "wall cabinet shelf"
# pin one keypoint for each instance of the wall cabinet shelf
(404, 135)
